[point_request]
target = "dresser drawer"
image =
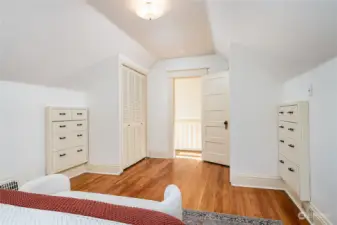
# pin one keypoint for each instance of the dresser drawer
(62, 141)
(79, 114)
(282, 129)
(289, 148)
(63, 159)
(282, 166)
(292, 176)
(78, 125)
(62, 127)
(288, 113)
(292, 131)
(80, 155)
(60, 115)
(79, 138)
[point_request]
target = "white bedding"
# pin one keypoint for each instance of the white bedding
(13, 215)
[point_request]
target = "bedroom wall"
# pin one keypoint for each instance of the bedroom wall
(323, 131)
(255, 92)
(22, 130)
(159, 97)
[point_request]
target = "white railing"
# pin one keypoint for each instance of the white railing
(187, 134)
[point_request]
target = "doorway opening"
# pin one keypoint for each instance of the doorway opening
(187, 118)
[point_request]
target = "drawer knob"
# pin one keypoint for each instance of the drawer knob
(291, 169)
(80, 150)
(79, 114)
(62, 155)
(291, 112)
(62, 114)
(63, 126)
(62, 138)
(282, 141)
(79, 125)
(281, 161)
(291, 146)
(291, 129)
(79, 135)
(281, 112)
(281, 126)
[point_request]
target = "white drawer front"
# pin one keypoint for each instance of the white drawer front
(61, 127)
(288, 113)
(292, 131)
(62, 141)
(79, 138)
(289, 149)
(80, 155)
(282, 165)
(292, 176)
(78, 125)
(62, 160)
(79, 114)
(60, 115)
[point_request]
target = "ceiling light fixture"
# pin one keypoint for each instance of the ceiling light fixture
(150, 10)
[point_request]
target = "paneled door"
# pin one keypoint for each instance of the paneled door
(134, 115)
(215, 118)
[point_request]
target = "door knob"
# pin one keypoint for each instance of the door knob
(226, 124)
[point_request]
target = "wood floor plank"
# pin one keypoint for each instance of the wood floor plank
(204, 186)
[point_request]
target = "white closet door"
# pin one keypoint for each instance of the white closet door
(127, 108)
(143, 116)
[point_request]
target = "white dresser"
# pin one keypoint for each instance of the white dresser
(66, 138)
(294, 160)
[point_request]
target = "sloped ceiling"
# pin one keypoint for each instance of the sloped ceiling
(47, 41)
(300, 34)
(183, 31)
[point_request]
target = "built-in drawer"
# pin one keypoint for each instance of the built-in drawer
(62, 127)
(289, 148)
(80, 155)
(288, 113)
(60, 115)
(79, 138)
(292, 131)
(282, 166)
(79, 114)
(62, 141)
(292, 176)
(78, 125)
(63, 159)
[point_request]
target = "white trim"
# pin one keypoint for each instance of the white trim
(104, 169)
(242, 180)
(318, 217)
(176, 74)
(125, 61)
(75, 171)
(276, 183)
(160, 155)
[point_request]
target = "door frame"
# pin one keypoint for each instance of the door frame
(172, 75)
(125, 61)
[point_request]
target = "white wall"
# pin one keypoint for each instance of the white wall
(323, 131)
(22, 130)
(187, 98)
(160, 95)
(255, 92)
(50, 42)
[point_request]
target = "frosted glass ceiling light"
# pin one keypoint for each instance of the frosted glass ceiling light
(150, 10)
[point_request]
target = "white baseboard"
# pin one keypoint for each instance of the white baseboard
(258, 182)
(104, 169)
(75, 171)
(310, 212)
(318, 218)
(160, 155)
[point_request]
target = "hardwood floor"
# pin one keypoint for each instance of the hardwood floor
(204, 186)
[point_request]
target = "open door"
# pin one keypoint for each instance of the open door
(215, 118)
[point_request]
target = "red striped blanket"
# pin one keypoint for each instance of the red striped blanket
(89, 208)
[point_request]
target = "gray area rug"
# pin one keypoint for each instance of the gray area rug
(191, 217)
